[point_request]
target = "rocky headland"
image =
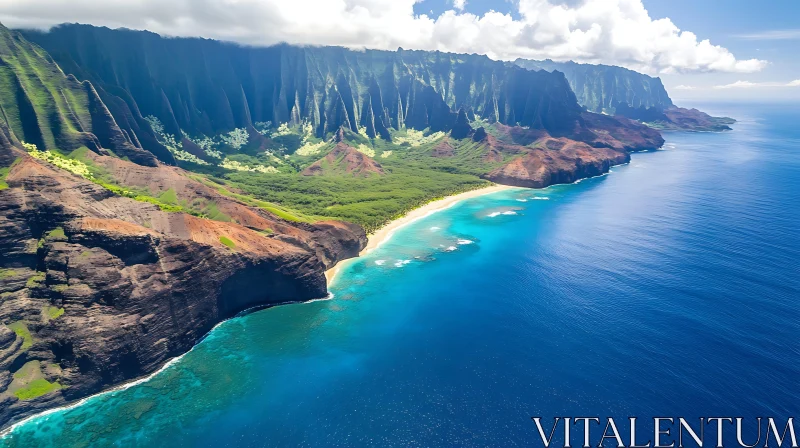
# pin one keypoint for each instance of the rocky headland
(98, 289)
(127, 231)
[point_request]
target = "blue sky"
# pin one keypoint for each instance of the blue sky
(768, 30)
(700, 48)
(727, 23)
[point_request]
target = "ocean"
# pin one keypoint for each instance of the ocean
(669, 287)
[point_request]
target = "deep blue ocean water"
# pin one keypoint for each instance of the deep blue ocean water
(668, 288)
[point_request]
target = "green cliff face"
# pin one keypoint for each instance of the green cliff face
(603, 88)
(205, 87)
(42, 106)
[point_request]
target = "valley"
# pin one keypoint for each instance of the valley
(154, 187)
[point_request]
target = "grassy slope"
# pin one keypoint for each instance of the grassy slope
(39, 104)
(413, 178)
(47, 109)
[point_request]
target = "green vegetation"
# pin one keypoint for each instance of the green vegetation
(227, 241)
(3, 174)
(78, 162)
(371, 201)
(29, 381)
(216, 184)
(40, 105)
(21, 329)
(169, 197)
(167, 201)
(101, 177)
(413, 178)
(262, 168)
(52, 312)
(71, 165)
(36, 389)
(28, 370)
(144, 198)
(598, 87)
(35, 280)
(56, 234)
(209, 210)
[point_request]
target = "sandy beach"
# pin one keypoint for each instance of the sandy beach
(385, 233)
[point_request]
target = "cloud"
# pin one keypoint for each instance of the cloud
(751, 85)
(459, 4)
(683, 87)
(772, 35)
(618, 32)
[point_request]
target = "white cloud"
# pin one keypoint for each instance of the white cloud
(459, 4)
(772, 35)
(751, 85)
(618, 32)
(684, 87)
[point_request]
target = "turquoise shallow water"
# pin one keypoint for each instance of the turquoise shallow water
(669, 287)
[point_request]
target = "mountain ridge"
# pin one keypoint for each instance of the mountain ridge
(329, 87)
(44, 107)
(601, 88)
(114, 259)
(613, 90)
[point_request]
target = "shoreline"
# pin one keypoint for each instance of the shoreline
(381, 236)
(386, 232)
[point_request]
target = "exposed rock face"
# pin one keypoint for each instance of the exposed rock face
(677, 118)
(601, 131)
(344, 160)
(461, 128)
(602, 88)
(542, 160)
(98, 289)
(480, 135)
(443, 149)
(626, 93)
(137, 285)
(207, 87)
(51, 110)
(618, 133)
(680, 118)
(557, 161)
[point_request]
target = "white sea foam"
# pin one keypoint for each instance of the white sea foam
(506, 213)
(542, 198)
(401, 263)
(380, 262)
(463, 242)
(433, 229)
(330, 296)
(522, 200)
(45, 415)
(451, 249)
